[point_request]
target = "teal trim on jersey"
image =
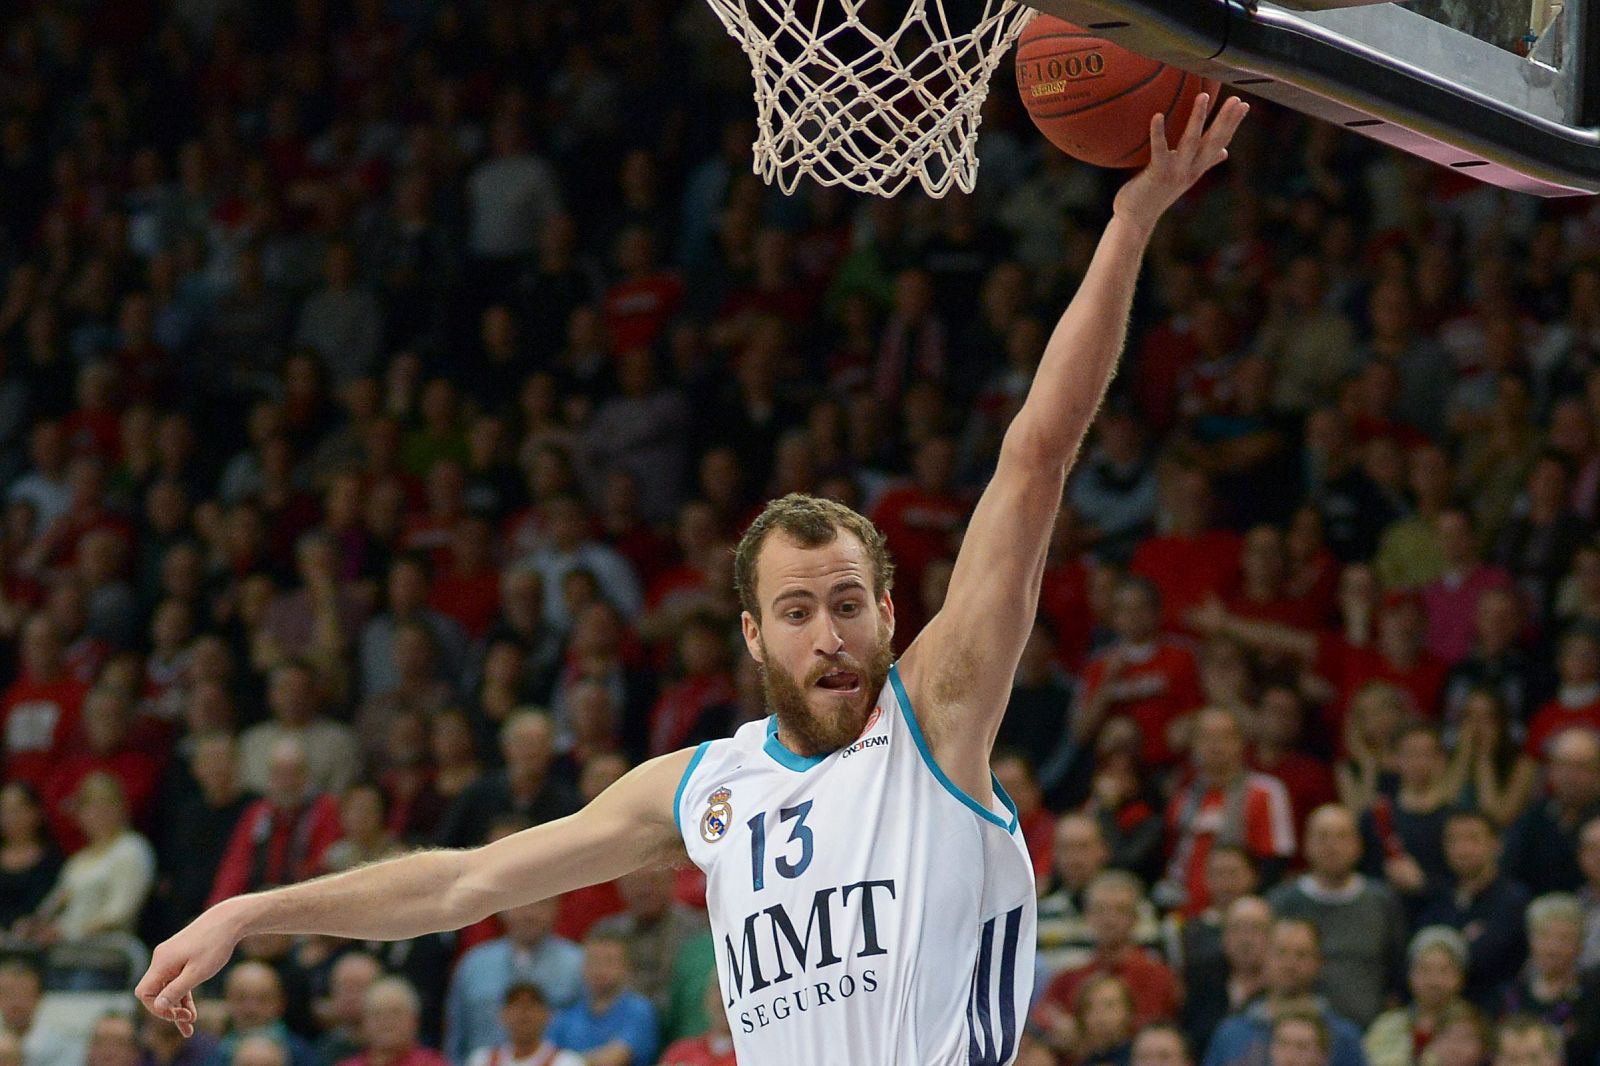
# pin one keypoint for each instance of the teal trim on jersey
(938, 774)
(783, 756)
(683, 783)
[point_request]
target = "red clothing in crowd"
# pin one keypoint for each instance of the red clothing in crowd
(1308, 781)
(1198, 818)
(39, 719)
(1188, 570)
(1451, 603)
(473, 600)
(1350, 669)
(918, 526)
(138, 772)
(699, 1051)
(1039, 833)
(579, 909)
(271, 848)
(680, 707)
(416, 1056)
(1150, 982)
(1554, 718)
(1155, 689)
(1064, 599)
(637, 312)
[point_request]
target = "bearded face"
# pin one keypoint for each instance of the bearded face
(828, 708)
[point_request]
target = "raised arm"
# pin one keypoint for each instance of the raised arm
(629, 825)
(959, 671)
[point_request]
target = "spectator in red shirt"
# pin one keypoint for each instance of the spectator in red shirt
(1188, 561)
(1397, 656)
(1113, 903)
(280, 839)
(1277, 732)
(40, 710)
(638, 308)
(390, 1016)
(1014, 771)
(430, 531)
(919, 519)
(1577, 700)
(1263, 595)
(1142, 676)
(1451, 599)
(467, 586)
(699, 705)
(1226, 803)
(107, 718)
(1064, 594)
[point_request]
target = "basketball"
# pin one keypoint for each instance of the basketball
(1093, 99)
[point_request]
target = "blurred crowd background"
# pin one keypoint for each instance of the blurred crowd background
(385, 383)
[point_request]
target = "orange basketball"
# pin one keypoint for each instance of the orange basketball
(1093, 99)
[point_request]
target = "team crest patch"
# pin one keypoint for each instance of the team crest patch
(718, 817)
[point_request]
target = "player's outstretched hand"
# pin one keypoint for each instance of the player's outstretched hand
(1172, 171)
(183, 962)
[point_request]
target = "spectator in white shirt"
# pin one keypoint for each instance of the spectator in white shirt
(510, 194)
(525, 1016)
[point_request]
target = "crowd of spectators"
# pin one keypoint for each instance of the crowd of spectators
(384, 386)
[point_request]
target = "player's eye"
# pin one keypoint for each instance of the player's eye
(795, 615)
(849, 607)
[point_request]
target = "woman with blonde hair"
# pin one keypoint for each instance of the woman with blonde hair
(103, 886)
(94, 907)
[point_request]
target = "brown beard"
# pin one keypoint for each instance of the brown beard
(808, 732)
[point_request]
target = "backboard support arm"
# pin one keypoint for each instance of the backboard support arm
(1380, 70)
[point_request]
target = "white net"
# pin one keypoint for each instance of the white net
(850, 96)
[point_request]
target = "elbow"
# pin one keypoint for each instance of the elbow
(464, 897)
(1038, 447)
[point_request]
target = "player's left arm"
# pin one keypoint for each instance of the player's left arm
(959, 670)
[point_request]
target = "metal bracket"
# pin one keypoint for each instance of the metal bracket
(1386, 73)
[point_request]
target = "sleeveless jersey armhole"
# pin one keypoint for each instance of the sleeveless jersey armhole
(939, 775)
(683, 783)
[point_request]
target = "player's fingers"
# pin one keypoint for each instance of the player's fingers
(1197, 123)
(1227, 123)
(1158, 136)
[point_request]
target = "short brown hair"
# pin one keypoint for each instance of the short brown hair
(1307, 1017)
(811, 522)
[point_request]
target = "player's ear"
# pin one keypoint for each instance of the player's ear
(886, 608)
(752, 634)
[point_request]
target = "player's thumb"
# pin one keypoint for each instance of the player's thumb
(165, 983)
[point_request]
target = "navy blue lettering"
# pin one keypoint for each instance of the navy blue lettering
(844, 991)
(824, 993)
(869, 914)
(869, 980)
(747, 950)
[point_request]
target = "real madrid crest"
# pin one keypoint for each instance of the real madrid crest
(718, 817)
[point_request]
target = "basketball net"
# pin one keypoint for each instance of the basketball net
(848, 96)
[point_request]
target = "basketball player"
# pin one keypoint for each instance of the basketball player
(870, 895)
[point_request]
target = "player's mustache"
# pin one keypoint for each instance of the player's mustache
(838, 662)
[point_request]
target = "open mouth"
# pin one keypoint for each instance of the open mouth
(845, 681)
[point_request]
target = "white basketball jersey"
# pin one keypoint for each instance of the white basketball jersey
(866, 912)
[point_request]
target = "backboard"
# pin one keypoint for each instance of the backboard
(1508, 90)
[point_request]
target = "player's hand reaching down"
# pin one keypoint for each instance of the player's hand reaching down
(181, 964)
(1173, 171)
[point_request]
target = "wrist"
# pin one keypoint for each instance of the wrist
(1141, 222)
(242, 916)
